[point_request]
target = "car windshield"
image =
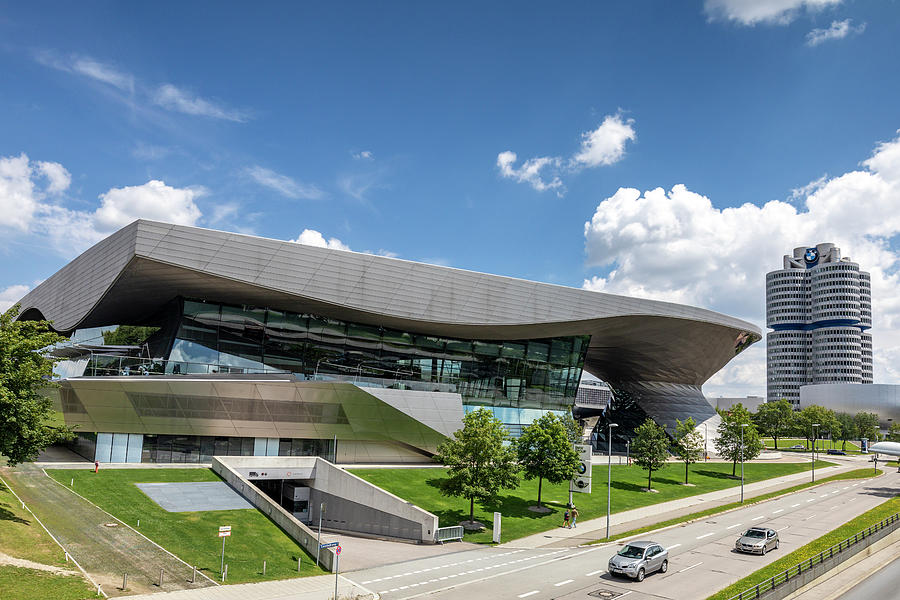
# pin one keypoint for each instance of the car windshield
(632, 552)
(755, 533)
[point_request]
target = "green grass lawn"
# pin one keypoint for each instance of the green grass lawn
(784, 444)
(22, 537)
(854, 474)
(419, 486)
(867, 519)
(192, 536)
(30, 584)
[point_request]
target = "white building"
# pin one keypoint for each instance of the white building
(819, 308)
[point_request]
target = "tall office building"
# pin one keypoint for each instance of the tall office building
(819, 308)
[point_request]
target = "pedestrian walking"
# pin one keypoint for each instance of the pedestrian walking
(574, 516)
(566, 519)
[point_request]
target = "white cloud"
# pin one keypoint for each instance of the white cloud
(284, 185)
(103, 72)
(606, 144)
(602, 146)
(57, 175)
(19, 196)
(173, 98)
(675, 245)
(154, 200)
(26, 206)
(311, 237)
(364, 155)
(752, 12)
(838, 30)
(11, 295)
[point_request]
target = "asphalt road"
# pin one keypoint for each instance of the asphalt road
(701, 556)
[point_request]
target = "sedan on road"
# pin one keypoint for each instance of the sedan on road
(637, 559)
(757, 540)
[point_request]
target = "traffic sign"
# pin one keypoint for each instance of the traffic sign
(337, 550)
(224, 533)
(225, 528)
(330, 545)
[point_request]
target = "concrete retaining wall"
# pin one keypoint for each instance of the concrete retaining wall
(299, 532)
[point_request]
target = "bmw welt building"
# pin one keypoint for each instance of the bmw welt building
(265, 347)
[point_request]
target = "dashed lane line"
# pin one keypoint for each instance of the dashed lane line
(673, 546)
(775, 512)
(531, 593)
(563, 582)
(795, 505)
(758, 518)
(690, 567)
(733, 526)
(705, 535)
(592, 573)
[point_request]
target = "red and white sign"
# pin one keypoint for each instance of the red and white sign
(225, 531)
(337, 550)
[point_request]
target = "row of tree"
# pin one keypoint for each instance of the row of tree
(779, 420)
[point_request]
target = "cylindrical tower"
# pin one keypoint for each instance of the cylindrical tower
(819, 307)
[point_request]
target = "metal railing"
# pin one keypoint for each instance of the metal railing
(791, 572)
(445, 534)
(132, 366)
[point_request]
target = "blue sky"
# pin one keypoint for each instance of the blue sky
(391, 129)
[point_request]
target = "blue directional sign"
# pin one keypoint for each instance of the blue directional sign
(329, 545)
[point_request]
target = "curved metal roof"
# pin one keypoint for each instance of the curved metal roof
(134, 272)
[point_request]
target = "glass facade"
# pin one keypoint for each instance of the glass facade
(537, 374)
(201, 449)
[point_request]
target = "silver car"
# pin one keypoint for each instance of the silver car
(757, 540)
(637, 559)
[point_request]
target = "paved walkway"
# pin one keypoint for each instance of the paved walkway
(306, 588)
(594, 529)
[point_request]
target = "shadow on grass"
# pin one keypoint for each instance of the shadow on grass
(8, 515)
(717, 474)
(508, 505)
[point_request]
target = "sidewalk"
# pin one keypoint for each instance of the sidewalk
(588, 531)
(305, 588)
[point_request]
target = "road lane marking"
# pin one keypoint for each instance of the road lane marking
(531, 593)
(845, 488)
(811, 500)
(563, 582)
(783, 528)
(758, 518)
(625, 594)
(795, 505)
(809, 517)
(690, 567)
(775, 512)
(700, 537)
(592, 573)
(733, 526)
(673, 546)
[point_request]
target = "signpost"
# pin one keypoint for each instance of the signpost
(581, 478)
(337, 562)
(224, 532)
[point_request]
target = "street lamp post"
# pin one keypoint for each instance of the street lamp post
(609, 477)
(815, 431)
(743, 425)
(705, 442)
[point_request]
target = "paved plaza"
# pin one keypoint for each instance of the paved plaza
(192, 496)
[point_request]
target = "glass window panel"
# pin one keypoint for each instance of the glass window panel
(561, 351)
(538, 350)
(487, 348)
(284, 447)
(201, 311)
(513, 350)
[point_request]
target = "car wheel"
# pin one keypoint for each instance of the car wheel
(664, 567)
(640, 574)
(765, 548)
(777, 542)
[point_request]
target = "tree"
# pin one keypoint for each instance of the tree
(775, 419)
(867, 425)
(478, 462)
(574, 430)
(848, 430)
(894, 432)
(25, 369)
(804, 420)
(128, 335)
(650, 448)
(729, 439)
(545, 451)
(687, 443)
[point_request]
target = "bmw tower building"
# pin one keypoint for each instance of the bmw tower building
(819, 308)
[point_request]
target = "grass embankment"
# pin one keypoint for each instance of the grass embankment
(22, 537)
(420, 486)
(784, 445)
(867, 519)
(193, 536)
(855, 474)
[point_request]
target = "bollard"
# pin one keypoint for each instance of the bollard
(72, 483)
(298, 564)
(139, 523)
(124, 581)
(99, 593)
(67, 557)
(23, 505)
(224, 573)
(160, 577)
(264, 567)
(194, 574)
